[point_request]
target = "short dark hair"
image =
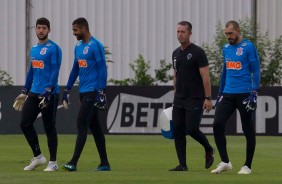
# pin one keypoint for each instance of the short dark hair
(81, 22)
(233, 23)
(43, 21)
(187, 24)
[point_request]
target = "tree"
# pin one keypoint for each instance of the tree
(142, 78)
(270, 53)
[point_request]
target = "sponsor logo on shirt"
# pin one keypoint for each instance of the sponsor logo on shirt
(37, 64)
(85, 51)
(234, 65)
(43, 51)
(239, 51)
(82, 63)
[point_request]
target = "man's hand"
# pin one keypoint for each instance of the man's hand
(207, 105)
(45, 97)
(19, 101)
(65, 99)
(101, 101)
(251, 101)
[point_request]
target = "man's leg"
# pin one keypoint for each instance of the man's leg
(178, 116)
(247, 119)
(100, 142)
(85, 115)
(29, 115)
(49, 122)
(193, 120)
(223, 111)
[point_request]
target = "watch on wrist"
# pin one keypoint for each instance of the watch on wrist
(208, 98)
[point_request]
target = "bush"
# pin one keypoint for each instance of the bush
(270, 53)
(142, 78)
(5, 79)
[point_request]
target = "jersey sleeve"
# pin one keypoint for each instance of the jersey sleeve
(73, 74)
(101, 64)
(29, 78)
(202, 59)
(254, 66)
(223, 74)
(56, 59)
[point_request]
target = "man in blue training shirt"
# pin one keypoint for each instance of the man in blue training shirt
(90, 65)
(239, 87)
(41, 95)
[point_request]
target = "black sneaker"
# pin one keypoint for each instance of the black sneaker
(209, 159)
(179, 168)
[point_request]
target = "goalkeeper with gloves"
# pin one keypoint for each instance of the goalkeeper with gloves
(41, 95)
(239, 86)
(90, 65)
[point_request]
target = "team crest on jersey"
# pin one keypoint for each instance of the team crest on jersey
(43, 51)
(189, 56)
(239, 51)
(85, 51)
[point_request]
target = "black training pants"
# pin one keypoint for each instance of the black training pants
(88, 118)
(29, 114)
(187, 115)
(224, 109)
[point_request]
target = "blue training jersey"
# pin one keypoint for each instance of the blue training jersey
(45, 62)
(241, 68)
(89, 65)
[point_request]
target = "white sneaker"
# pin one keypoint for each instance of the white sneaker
(35, 162)
(245, 170)
(52, 166)
(221, 167)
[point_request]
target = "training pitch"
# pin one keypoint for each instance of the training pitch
(139, 159)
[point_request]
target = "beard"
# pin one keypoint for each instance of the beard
(78, 37)
(42, 38)
(233, 41)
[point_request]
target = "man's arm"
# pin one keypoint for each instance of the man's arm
(174, 80)
(204, 71)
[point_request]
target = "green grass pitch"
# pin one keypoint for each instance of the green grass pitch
(140, 159)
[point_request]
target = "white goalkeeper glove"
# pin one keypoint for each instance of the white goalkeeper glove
(19, 101)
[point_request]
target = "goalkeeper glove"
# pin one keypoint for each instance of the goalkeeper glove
(45, 97)
(65, 99)
(101, 101)
(251, 101)
(19, 101)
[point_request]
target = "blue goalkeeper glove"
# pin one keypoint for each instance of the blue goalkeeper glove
(45, 97)
(251, 101)
(101, 101)
(65, 99)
